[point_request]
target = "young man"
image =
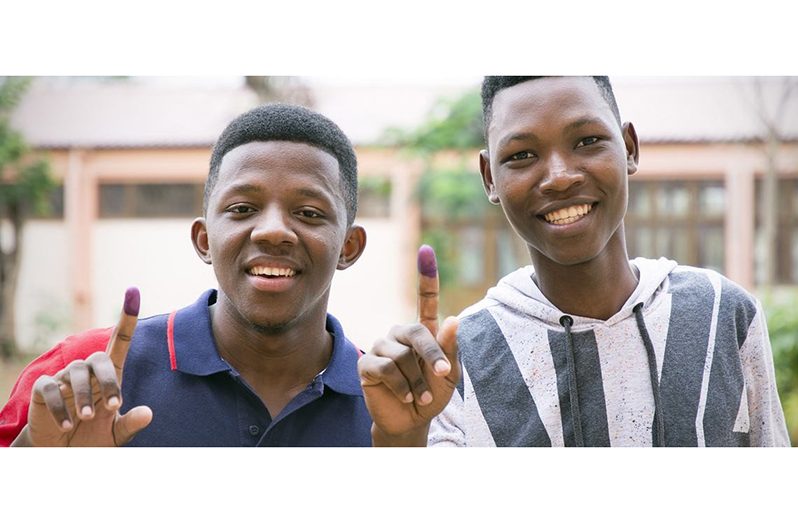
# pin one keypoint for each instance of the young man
(258, 362)
(584, 347)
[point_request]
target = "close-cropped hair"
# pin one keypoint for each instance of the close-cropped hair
(292, 123)
(493, 84)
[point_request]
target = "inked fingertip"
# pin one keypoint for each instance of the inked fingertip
(427, 264)
(132, 301)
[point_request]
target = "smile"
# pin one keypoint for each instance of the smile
(272, 272)
(568, 215)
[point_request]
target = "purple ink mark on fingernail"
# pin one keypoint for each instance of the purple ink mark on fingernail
(426, 261)
(132, 301)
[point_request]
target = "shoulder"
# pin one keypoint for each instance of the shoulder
(731, 302)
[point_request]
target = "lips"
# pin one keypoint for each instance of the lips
(567, 215)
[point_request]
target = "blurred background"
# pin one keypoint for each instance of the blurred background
(100, 178)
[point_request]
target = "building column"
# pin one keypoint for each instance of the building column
(740, 225)
(80, 203)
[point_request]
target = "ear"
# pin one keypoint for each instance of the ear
(354, 245)
(199, 238)
(632, 147)
(487, 177)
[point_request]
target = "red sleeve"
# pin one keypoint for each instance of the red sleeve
(14, 414)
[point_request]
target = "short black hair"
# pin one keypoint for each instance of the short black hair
(292, 123)
(493, 84)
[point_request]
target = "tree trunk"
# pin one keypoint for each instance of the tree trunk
(769, 204)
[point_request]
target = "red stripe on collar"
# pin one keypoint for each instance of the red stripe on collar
(170, 340)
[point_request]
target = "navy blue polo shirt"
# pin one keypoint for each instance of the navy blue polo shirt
(198, 399)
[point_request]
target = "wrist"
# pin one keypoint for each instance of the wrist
(23, 439)
(412, 438)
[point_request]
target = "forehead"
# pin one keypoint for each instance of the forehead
(283, 161)
(547, 101)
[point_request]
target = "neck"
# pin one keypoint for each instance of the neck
(597, 288)
(273, 359)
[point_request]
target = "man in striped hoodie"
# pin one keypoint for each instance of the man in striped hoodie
(584, 347)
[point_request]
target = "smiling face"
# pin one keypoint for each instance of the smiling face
(275, 232)
(558, 164)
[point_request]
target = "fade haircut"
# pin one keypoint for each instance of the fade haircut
(493, 84)
(292, 123)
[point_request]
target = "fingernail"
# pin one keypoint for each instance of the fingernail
(85, 411)
(113, 402)
(441, 367)
(66, 424)
(426, 397)
(426, 261)
(132, 301)
(409, 397)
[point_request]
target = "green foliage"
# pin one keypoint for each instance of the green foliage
(782, 319)
(451, 124)
(452, 194)
(25, 188)
(25, 180)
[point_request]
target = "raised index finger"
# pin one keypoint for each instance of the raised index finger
(428, 289)
(119, 343)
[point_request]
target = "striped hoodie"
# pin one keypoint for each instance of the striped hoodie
(685, 362)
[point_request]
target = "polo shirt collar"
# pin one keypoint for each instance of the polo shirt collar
(196, 352)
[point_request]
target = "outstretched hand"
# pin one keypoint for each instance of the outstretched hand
(409, 376)
(79, 406)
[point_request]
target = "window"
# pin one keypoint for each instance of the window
(374, 197)
(157, 200)
(786, 255)
(681, 220)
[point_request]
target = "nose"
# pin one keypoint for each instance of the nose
(559, 175)
(273, 226)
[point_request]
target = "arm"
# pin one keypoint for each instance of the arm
(78, 406)
(767, 425)
(409, 376)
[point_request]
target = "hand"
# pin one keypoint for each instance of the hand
(409, 376)
(79, 406)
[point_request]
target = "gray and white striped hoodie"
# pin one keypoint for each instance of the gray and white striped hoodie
(685, 362)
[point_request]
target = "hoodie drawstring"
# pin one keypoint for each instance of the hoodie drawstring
(659, 440)
(567, 321)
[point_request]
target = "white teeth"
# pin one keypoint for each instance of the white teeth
(272, 271)
(568, 215)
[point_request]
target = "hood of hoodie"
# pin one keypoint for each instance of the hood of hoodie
(518, 291)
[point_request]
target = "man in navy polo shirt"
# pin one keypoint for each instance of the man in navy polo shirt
(258, 362)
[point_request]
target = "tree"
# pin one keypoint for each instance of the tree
(771, 108)
(288, 89)
(25, 186)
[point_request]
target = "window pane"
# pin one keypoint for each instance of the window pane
(643, 241)
(674, 200)
(639, 199)
(711, 248)
(711, 200)
(166, 200)
(112, 200)
(674, 244)
(471, 255)
(512, 255)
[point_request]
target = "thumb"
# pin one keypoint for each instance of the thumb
(447, 338)
(127, 426)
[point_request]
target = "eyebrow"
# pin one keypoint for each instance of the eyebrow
(576, 124)
(304, 191)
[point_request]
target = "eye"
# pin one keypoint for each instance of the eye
(523, 155)
(590, 140)
(240, 208)
(312, 214)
